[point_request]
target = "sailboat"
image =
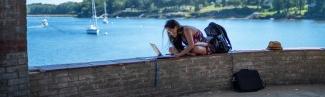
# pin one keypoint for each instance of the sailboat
(93, 29)
(44, 23)
(105, 19)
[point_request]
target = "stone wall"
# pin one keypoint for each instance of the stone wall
(174, 77)
(147, 77)
(289, 67)
(13, 53)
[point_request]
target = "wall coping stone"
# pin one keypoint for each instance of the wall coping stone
(120, 62)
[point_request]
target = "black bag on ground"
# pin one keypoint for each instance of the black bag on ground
(247, 81)
(218, 38)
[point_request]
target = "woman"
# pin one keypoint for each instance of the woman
(196, 43)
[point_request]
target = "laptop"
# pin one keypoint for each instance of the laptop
(158, 52)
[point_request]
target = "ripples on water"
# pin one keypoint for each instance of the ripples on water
(65, 40)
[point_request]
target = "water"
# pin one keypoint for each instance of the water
(65, 40)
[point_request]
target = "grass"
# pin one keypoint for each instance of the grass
(268, 13)
(210, 8)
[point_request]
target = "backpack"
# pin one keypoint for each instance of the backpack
(218, 38)
(247, 81)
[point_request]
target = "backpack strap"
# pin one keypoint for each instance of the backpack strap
(224, 33)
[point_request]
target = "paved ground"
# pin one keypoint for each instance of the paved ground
(270, 91)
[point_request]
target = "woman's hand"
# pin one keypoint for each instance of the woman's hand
(189, 54)
(172, 50)
(177, 55)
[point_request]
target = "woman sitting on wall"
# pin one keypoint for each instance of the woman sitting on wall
(195, 42)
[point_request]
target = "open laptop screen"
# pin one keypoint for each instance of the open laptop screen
(155, 48)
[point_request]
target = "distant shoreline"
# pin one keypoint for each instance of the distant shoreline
(51, 15)
(73, 15)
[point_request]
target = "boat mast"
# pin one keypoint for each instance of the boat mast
(94, 13)
(105, 15)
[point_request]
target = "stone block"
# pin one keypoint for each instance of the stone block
(67, 90)
(61, 79)
(6, 76)
(2, 70)
(81, 71)
(12, 82)
(315, 52)
(83, 77)
(110, 70)
(16, 68)
(59, 73)
(44, 93)
(46, 81)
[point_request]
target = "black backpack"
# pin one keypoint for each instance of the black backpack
(218, 38)
(247, 81)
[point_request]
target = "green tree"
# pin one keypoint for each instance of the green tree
(224, 3)
(300, 5)
(67, 8)
(278, 5)
(316, 9)
(39, 8)
(236, 3)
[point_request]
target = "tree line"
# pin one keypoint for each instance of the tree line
(275, 8)
(63, 8)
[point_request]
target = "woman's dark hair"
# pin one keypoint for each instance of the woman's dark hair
(176, 41)
(172, 24)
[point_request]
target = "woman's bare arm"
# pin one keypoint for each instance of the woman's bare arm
(188, 32)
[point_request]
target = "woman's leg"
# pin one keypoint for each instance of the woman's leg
(197, 50)
(200, 50)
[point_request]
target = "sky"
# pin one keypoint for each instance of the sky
(50, 1)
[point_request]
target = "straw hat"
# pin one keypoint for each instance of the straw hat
(274, 45)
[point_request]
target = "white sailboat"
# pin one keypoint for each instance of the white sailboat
(93, 29)
(44, 23)
(105, 19)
